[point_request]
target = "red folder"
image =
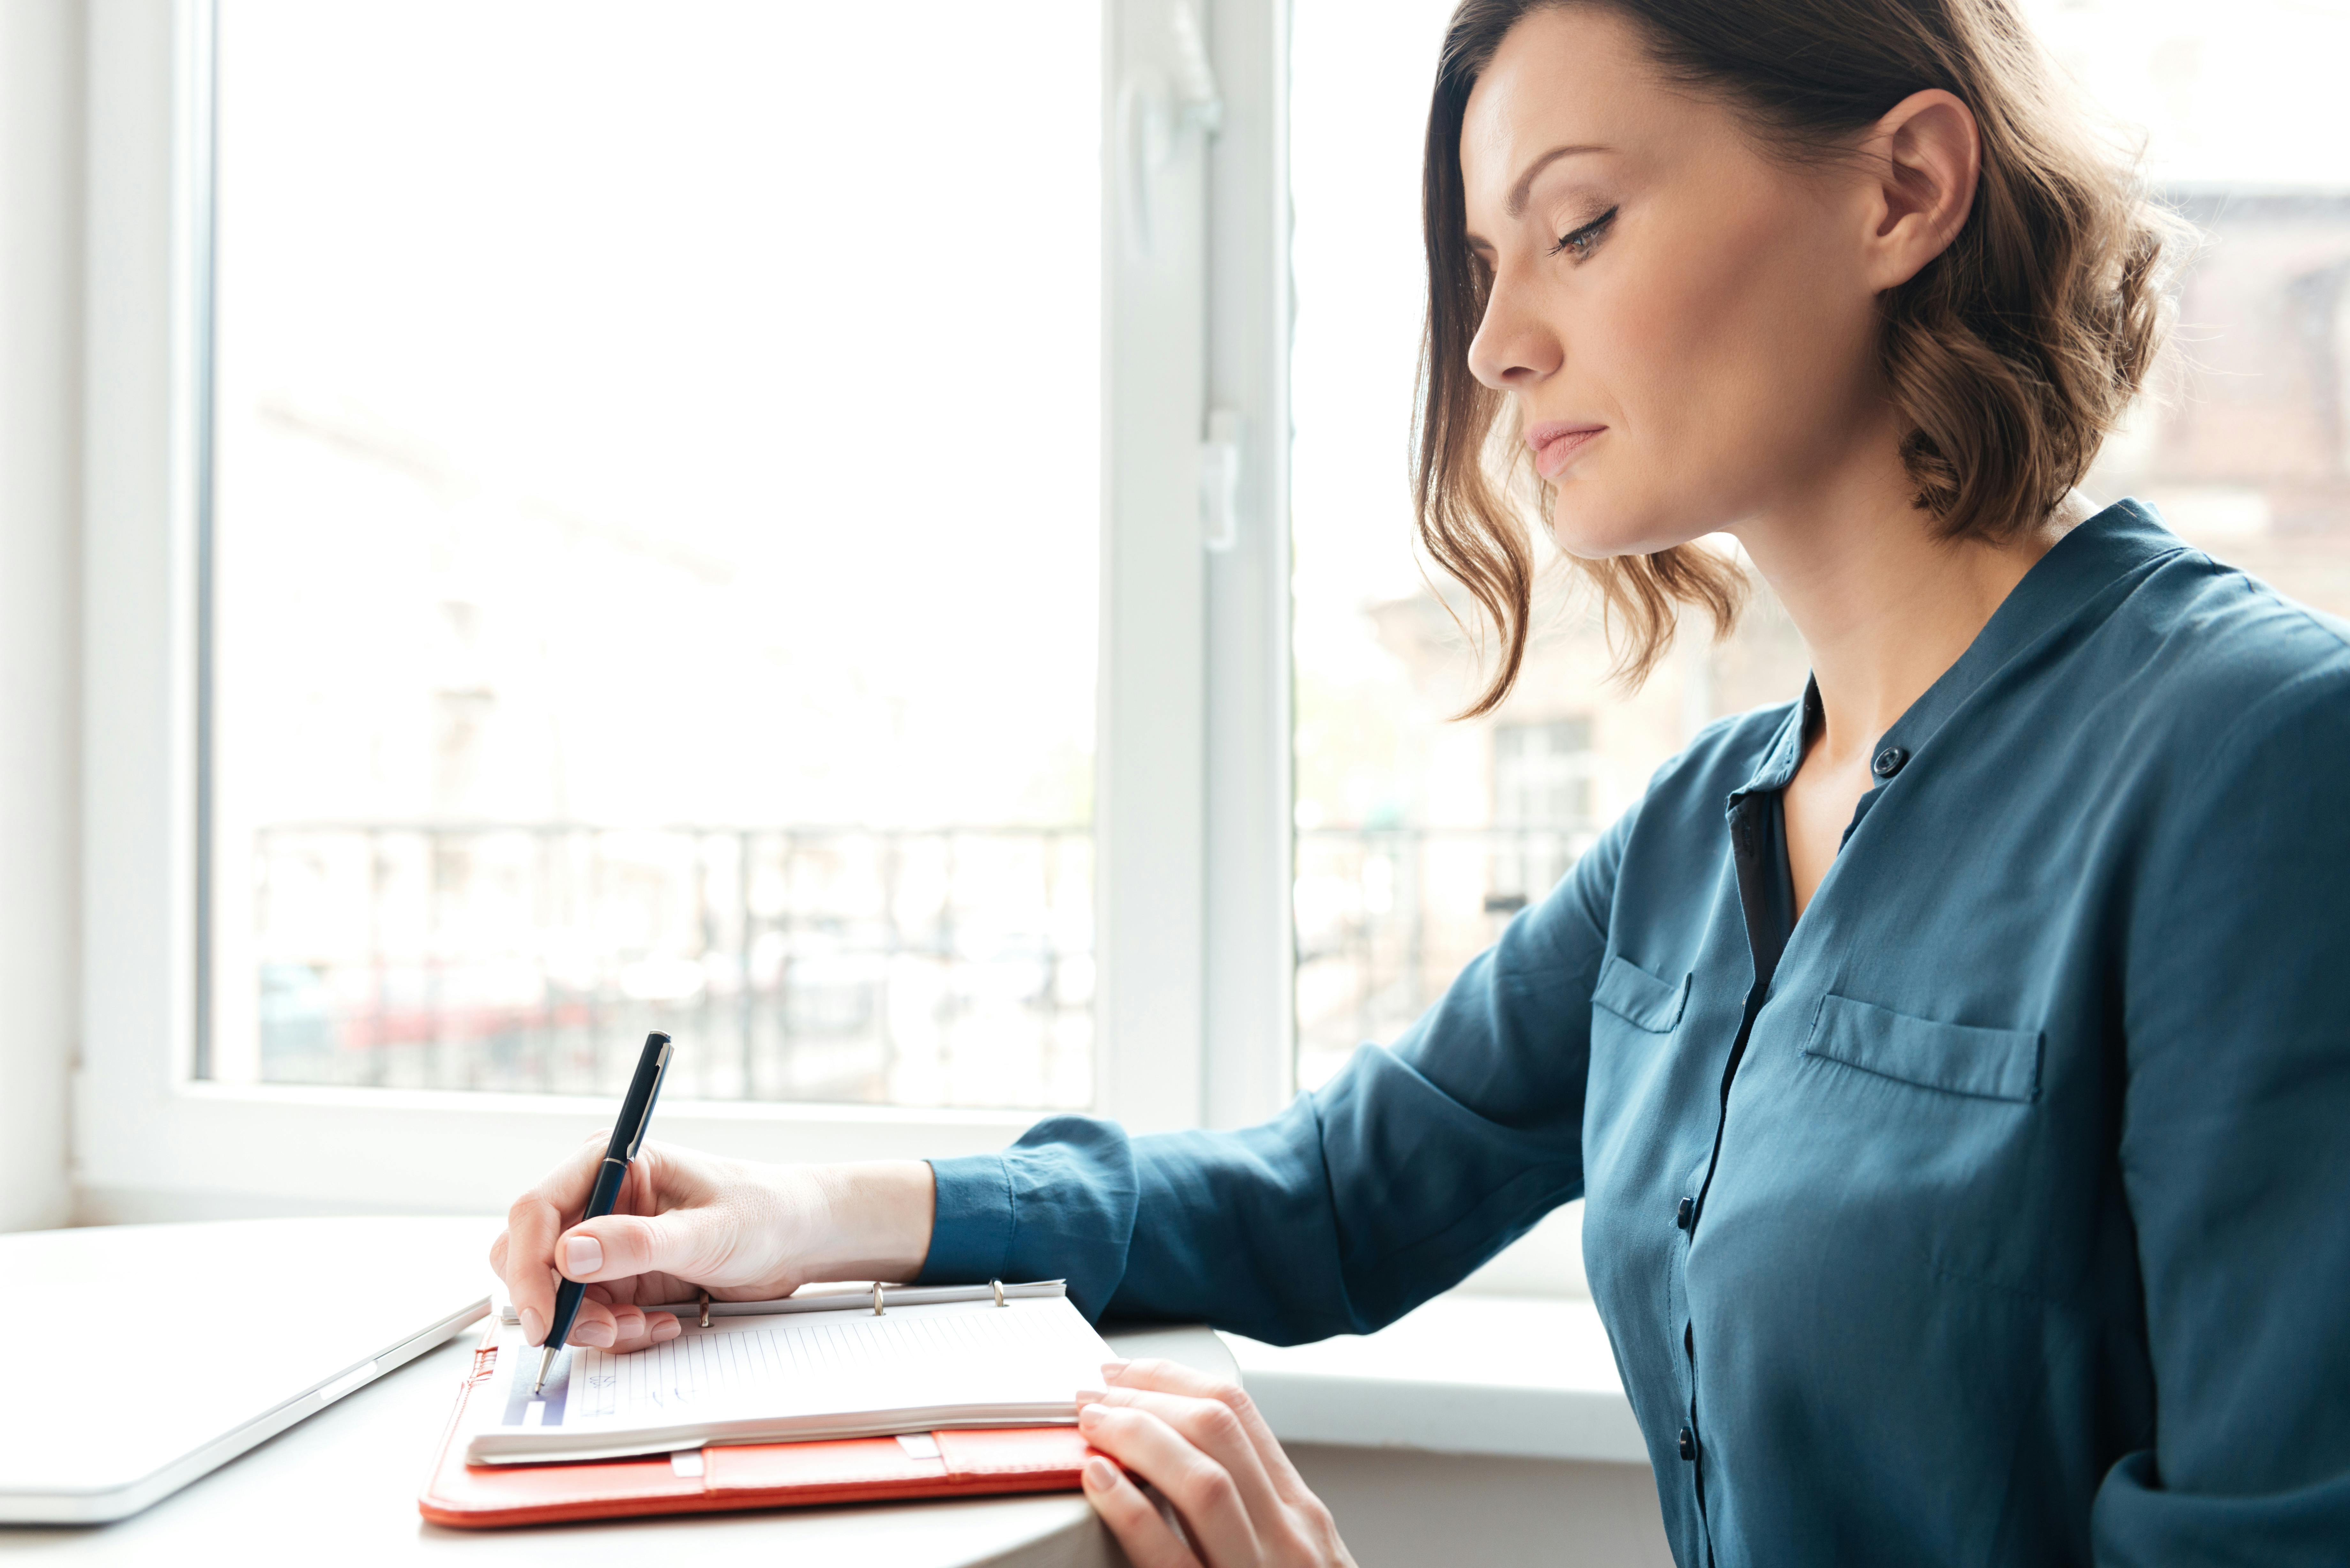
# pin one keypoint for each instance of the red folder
(752, 1475)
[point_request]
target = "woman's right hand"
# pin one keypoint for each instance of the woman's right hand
(688, 1221)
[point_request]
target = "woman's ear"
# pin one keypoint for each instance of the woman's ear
(1923, 159)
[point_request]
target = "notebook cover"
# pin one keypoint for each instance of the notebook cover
(749, 1475)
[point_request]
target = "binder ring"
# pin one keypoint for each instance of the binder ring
(705, 1309)
(999, 1292)
(878, 1309)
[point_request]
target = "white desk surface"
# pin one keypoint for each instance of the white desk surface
(341, 1487)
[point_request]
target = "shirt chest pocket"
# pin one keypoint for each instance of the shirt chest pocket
(1650, 1005)
(1927, 1137)
(1955, 1058)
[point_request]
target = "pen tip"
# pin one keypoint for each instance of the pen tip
(545, 1362)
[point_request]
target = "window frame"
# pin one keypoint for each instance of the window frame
(1192, 820)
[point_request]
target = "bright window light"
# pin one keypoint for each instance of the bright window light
(656, 547)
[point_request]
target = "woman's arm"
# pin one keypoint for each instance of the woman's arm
(1379, 1191)
(1359, 1202)
(2235, 1151)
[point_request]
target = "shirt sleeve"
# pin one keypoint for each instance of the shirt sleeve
(1364, 1199)
(2234, 1154)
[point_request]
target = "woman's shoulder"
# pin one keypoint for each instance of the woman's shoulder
(2209, 712)
(2218, 658)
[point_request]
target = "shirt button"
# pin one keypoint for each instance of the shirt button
(1888, 762)
(1682, 1215)
(1688, 1444)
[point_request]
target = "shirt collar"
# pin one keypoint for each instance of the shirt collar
(2095, 556)
(1786, 748)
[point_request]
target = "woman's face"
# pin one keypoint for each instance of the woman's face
(1683, 324)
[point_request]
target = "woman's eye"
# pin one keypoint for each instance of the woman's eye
(1580, 242)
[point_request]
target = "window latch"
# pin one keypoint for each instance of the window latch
(1220, 480)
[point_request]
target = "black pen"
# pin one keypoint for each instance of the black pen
(628, 1137)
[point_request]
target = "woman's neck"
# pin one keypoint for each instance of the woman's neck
(1883, 605)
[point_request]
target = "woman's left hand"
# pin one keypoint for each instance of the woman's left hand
(1204, 1447)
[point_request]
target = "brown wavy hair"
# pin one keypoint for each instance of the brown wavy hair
(2011, 355)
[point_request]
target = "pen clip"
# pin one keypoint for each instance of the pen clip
(645, 1118)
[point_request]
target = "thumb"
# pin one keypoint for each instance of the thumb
(693, 1244)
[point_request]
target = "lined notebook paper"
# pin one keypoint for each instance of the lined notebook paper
(843, 1372)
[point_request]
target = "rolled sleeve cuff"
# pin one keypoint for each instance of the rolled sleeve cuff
(970, 1232)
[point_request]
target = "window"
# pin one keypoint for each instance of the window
(655, 547)
(1417, 836)
(619, 517)
(1542, 775)
(1541, 796)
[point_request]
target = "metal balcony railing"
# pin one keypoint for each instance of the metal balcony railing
(948, 966)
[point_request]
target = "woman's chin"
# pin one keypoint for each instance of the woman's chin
(1595, 538)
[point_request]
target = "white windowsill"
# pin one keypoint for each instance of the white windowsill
(1521, 1377)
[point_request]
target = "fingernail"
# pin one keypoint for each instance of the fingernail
(1100, 1474)
(534, 1327)
(1088, 1396)
(666, 1331)
(1113, 1369)
(582, 1255)
(1088, 1414)
(597, 1333)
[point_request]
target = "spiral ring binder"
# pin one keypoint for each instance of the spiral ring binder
(703, 1311)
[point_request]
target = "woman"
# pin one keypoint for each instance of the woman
(1954, 1059)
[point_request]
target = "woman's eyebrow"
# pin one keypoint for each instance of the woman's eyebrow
(1521, 193)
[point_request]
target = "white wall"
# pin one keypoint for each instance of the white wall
(41, 76)
(1398, 1508)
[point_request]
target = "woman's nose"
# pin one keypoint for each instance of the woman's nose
(1513, 345)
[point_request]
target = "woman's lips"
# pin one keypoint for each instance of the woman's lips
(1557, 442)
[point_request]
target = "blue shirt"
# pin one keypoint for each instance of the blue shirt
(1992, 1213)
